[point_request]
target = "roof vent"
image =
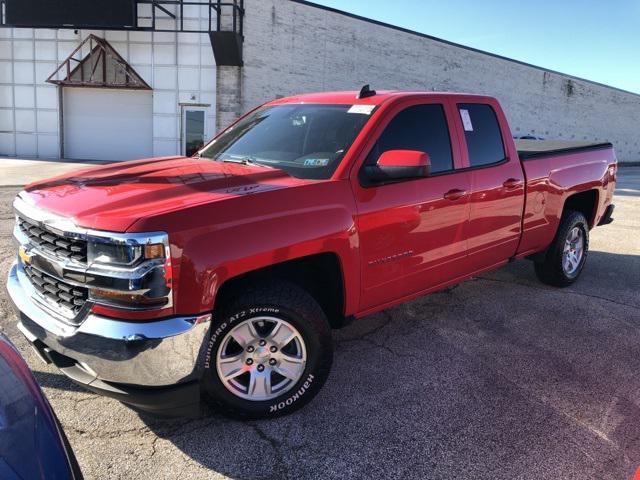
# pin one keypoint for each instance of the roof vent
(366, 92)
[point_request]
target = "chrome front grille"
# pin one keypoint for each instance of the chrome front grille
(62, 294)
(53, 265)
(52, 243)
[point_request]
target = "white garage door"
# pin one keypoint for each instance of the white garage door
(101, 124)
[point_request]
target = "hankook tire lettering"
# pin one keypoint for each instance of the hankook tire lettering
(293, 398)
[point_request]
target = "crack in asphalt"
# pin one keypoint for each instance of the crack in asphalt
(389, 318)
(573, 292)
(153, 446)
(365, 337)
(532, 395)
(281, 468)
(143, 430)
(181, 430)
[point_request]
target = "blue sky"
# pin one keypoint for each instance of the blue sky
(594, 39)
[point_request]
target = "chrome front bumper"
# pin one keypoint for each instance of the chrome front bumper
(139, 353)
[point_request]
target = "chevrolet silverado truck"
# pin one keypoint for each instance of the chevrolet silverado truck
(219, 277)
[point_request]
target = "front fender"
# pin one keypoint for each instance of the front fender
(225, 239)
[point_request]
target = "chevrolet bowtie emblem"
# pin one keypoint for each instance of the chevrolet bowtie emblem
(24, 255)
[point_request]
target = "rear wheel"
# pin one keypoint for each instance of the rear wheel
(269, 354)
(567, 255)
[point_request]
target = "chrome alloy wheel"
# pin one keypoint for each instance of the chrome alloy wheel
(261, 358)
(573, 251)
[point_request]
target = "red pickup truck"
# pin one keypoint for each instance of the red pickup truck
(220, 276)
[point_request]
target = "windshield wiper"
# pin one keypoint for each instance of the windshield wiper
(246, 160)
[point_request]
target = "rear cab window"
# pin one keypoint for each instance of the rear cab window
(420, 127)
(482, 133)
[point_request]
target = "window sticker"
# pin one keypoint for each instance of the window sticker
(466, 120)
(316, 162)
(362, 109)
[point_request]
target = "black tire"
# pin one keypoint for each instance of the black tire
(288, 302)
(551, 270)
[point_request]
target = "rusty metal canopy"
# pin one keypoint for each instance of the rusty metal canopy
(100, 67)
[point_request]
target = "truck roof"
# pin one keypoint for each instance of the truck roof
(351, 97)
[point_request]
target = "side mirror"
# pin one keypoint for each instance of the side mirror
(399, 165)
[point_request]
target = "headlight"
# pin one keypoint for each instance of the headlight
(105, 252)
(122, 252)
(133, 271)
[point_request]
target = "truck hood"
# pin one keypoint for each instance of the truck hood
(113, 197)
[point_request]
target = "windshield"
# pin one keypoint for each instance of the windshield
(306, 141)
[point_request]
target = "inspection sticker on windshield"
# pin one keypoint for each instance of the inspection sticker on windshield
(316, 162)
(466, 120)
(363, 109)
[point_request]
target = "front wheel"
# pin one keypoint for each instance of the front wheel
(269, 354)
(567, 255)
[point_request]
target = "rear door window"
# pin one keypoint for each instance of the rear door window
(422, 128)
(482, 132)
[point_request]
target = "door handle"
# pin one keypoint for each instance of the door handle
(512, 183)
(455, 194)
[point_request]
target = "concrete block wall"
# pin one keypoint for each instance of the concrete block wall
(28, 106)
(294, 48)
(178, 66)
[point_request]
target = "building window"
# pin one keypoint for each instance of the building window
(193, 130)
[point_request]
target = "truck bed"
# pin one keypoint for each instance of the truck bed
(555, 170)
(531, 149)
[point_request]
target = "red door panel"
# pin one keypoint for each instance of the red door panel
(411, 237)
(413, 234)
(495, 214)
(496, 199)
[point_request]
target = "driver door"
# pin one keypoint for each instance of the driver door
(413, 233)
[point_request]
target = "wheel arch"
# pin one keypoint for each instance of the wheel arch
(321, 275)
(585, 202)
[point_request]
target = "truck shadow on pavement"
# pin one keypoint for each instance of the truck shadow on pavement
(499, 377)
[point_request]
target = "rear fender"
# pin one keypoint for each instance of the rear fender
(553, 180)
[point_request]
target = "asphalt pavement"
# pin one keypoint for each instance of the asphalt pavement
(500, 377)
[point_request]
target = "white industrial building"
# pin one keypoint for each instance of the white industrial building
(144, 78)
(45, 120)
